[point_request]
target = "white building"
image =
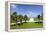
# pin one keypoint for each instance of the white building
(31, 20)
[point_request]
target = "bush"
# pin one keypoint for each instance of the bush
(38, 22)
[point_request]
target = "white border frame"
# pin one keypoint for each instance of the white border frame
(19, 2)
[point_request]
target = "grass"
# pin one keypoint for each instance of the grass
(27, 25)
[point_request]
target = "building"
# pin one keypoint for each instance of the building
(31, 20)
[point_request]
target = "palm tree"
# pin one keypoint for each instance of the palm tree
(15, 16)
(38, 18)
(25, 18)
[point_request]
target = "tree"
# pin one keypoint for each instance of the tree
(41, 16)
(38, 18)
(15, 13)
(25, 18)
(20, 18)
(11, 18)
(15, 16)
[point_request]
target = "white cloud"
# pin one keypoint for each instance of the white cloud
(31, 13)
(13, 6)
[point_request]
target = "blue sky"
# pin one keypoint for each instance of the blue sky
(25, 9)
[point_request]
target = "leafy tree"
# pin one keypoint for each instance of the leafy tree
(11, 18)
(25, 18)
(20, 18)
(41, 16)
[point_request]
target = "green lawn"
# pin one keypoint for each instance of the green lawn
(27, 25)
